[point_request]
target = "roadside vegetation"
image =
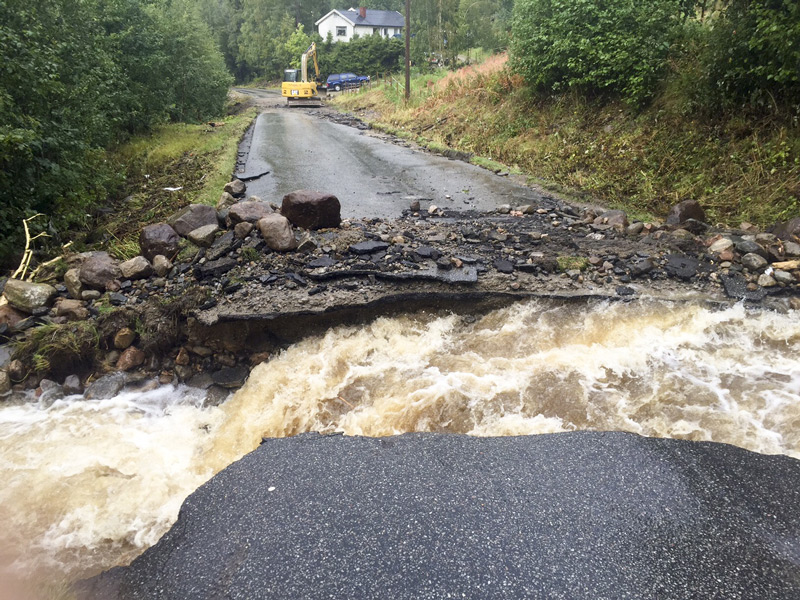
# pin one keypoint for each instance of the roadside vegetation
(635, 112)
(77, 78)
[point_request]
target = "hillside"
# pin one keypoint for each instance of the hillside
(739, 168)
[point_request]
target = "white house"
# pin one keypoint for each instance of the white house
(343, 24)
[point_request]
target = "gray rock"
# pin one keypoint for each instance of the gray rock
(89, 295)
(99, 271)
(117, 299)
(311, 210)
(136, 268)
(277, 232)
(784, 277)
(682, 267)
(635, 228)
(754, 262)
(72, 385)
(750, 247)
(504, 266)
(161, 265)
(683, 211)
(765, 280)
(613, 218)
(721, 245)
(307, 243)
(106, 387)
(791, 249)
(236, 187)
(192, 217)
(216, 395)
(5, 383)
(788, 230)
(242, 230)
(202, 380)
(641, 267)
(504, 209)
(50, 392)
(72, 310)
(249, 212)
(73, 282)
(215, 268)
(225, 201)
(231, 377)
(222, 246)
(157, 239)
(27, 296)
(204, 236)
(368, 247)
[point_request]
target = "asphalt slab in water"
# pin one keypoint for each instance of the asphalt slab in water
(574, 515)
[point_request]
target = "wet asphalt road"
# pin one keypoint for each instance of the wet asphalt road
(584, 515)
(370, 176)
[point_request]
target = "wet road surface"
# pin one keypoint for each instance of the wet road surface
(370, 176)
(583, 515)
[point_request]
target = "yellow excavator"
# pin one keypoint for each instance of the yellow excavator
(296, 87)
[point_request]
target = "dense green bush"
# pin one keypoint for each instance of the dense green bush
(614, 48)
(753, 54)
(78, 76)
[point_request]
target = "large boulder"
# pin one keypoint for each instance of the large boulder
(248, 212)
(136, 268)
(311, 210)
(192, 217)
(277, 232)
(27, 296)
(157, 239)
(683, 211)
(98, 271)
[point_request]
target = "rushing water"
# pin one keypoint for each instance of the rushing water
(90, 484)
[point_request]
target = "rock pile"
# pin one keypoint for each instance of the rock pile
(249, 259)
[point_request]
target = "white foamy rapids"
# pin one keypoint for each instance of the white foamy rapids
(88, 484)
(658, 369)
(91, 484)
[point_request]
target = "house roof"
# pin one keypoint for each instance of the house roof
(374, 18)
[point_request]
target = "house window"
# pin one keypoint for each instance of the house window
(375, 30)
(341, 31)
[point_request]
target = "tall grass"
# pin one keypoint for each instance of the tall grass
(740, 168)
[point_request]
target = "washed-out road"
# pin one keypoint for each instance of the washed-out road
(371, 176)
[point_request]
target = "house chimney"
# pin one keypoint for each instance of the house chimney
(362, 12)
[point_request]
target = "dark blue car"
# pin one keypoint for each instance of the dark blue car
(340, 81)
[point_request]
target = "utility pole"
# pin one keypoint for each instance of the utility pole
(408, 49)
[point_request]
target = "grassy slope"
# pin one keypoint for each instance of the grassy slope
(198, 158)
(739, 169)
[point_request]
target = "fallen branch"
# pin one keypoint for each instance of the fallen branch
(27, 255)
